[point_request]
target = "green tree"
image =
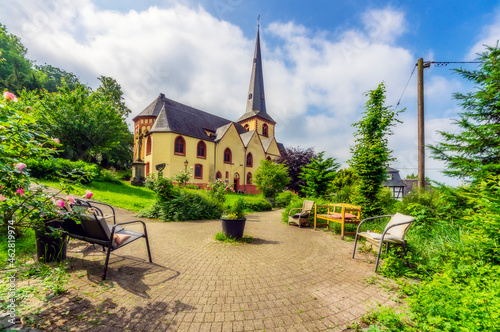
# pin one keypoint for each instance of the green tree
(17, 71)
(51, 78)
(371, 155)
(318, 175)
(271, 178)
(475, 151)
(89, 124)
(295, 159)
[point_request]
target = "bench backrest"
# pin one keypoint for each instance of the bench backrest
(345, 208)
(89, 227)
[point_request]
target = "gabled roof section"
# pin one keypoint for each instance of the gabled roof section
(247, 137)
(256, 103)
(266, 142)
(172, 116)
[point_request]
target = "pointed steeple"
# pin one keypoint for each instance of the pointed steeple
(256, 103)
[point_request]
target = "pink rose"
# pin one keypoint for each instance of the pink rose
(88, 194)
(9, 96)
(2, 198)
(70, 199)
(56, 140)
(60, 203)
(20, 191)
(20, 167)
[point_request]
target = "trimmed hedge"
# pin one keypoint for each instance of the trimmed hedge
(54, 168)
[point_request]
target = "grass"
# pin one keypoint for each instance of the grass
(25, 247)
(227, 239)
(122, 195)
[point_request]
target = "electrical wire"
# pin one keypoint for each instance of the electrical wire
(411, 75)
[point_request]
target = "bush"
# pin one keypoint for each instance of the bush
(258, 204)
(283, 199)
(54, 168)
(107, 176)
(125, 175)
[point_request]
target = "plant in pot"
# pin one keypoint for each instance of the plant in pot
(23, 202)
(233, 221)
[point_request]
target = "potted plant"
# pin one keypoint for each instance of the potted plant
(23, 202)
(233, 221)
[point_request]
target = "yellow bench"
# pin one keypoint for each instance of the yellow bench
(340, 212)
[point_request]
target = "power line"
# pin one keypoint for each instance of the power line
(445, 63)
(409, 78)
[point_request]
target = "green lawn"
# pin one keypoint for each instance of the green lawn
(121, 195)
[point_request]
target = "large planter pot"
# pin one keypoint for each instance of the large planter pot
(233, 227)
(50, 248)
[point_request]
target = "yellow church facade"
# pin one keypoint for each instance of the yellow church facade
(207, 146)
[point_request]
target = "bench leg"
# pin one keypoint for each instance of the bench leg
(106, 264)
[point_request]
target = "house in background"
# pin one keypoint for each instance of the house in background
(394, 183)
(182, 137)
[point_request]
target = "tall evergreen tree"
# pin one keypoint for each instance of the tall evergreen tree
(475, 151)
(318, 175)
(371, 155)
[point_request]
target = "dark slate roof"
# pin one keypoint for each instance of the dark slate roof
(256, 103)
(281, 147)
(396, 179)
(172, 116)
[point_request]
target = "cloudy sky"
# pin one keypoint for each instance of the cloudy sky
(319, 58)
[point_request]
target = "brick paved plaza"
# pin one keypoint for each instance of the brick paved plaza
(288, 279)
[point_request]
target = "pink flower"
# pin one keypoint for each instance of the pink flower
(88, 194)
(9, 96)
(60, 203)
(20, 191)
(56, 140)
(20, 167)
(70, 199)
(2, 198)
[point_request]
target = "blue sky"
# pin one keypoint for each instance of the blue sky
(319, 58)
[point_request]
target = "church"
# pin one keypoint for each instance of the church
(184, 138)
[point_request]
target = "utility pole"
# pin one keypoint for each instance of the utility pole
(421, 130)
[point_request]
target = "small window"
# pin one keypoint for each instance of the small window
(201, 150)
(218, 175)
(147, 168)
(268, 158)
(227, 175)
(249, 160)
(148, 145)
(265, 130)
(198, 171)
(227, 156)
(180, 146)
(249, 178)
(247, 127)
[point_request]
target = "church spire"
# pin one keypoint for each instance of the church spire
(256, 103)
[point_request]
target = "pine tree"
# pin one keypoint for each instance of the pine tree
(475, 151)
(371, 155)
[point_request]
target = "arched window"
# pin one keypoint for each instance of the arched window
(198, 171)
(249, 160)
(227, 156)
(218, 175)
(268, 158)
(247, 127)
(147, 168)
(265, 130)
(249, 178)
(180, 146)
(148, 145)
(201, 150)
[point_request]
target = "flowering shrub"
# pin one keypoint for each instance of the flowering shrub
(218, 190)
(162, 186)
(236, 211)
(184, 176)
(22, 201)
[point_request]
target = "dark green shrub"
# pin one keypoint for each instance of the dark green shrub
(55, 168)
(107, 176)
(189, 205)
(259, 204)
(284, 198)
(125, 175)
(191, 186)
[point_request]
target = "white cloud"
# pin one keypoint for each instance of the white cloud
(490, 36)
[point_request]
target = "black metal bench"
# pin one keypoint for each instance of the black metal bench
(92, 227)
